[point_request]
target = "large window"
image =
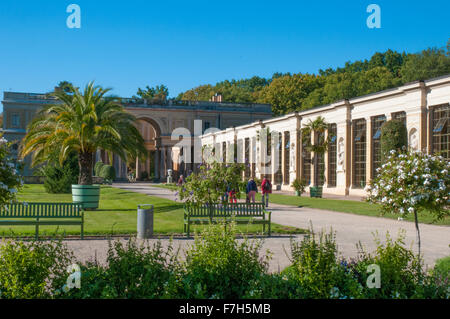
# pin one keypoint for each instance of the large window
(441, 130)
(278, 170)
(359, 153)
(377, 122)
(332, 155)
(400, 116)
(306, 155)
(287, 148)
(321, 162)
(15, 119)
(247, 157)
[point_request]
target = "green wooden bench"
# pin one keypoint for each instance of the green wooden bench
(37, 214)
(240, 213)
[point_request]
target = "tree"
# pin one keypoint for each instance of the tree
(319, 145)
(10, 180)
(210, 184)
(200, 93)
(287, 93)
(82, 123)
(425, 65)
(393, 136)
(159, 92)
(411, 182)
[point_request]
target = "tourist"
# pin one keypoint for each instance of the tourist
(181, 181)
(251, 190)
(232, 194)
(266, 189)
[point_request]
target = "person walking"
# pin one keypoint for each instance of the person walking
(181, 181)
(232, 194)
(251, 190)
(266, 189)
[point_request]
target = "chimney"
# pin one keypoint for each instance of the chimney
(216, 98)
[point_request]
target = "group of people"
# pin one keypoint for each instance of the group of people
(252, 189)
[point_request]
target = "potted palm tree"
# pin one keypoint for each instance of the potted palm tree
(318, 145)
(299, 185)
(83, 123)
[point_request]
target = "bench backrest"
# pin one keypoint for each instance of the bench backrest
(41, 210)
(227, 210)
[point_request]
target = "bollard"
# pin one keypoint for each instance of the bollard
(145, 221)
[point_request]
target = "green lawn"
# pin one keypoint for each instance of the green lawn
(117, 215)
(346, 206)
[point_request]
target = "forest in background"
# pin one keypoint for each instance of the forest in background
(288, 92)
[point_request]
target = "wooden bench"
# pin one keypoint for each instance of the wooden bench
(240, 213)
(37, 214)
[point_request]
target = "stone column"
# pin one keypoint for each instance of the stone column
(157, 163)
(163, 164)
(313, 160)
(137, 167)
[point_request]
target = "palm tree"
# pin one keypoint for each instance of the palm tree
(317, 129)
(82, 123)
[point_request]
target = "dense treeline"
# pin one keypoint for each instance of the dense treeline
(289, 92)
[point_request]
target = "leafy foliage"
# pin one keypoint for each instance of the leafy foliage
(210, 183)
(132, 270)
(98, 167)
(108, 172)
(294, 92)
(82, 123)
(59, 179)
(394, 136)
(218, 266)
(32, 270)
(10, 180)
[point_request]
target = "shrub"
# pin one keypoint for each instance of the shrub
(32, 270)
(131, 271)
(299, 185)
(98, 168)
(412, 182)
(316, 269)
(10, 181)
(394, 136)
(442, 267)
(218, 266)
(59, 180)
(211, 182)
(401, 270)
(108, 172)
(143, 176)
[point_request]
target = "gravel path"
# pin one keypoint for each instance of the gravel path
(350, 229)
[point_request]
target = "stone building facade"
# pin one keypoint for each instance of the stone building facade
(156, 123)
(354, 151)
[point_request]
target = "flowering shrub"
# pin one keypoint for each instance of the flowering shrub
(410, 182)
(209, 185)
(10, 181)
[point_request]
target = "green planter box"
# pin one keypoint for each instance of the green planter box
(315, 191)
(87, 195)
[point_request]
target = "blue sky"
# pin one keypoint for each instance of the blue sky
(129, 44)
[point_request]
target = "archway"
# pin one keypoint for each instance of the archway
(151, 133)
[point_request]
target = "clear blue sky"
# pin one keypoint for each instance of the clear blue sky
(182, 44)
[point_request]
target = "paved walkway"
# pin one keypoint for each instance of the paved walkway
(350, 228)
